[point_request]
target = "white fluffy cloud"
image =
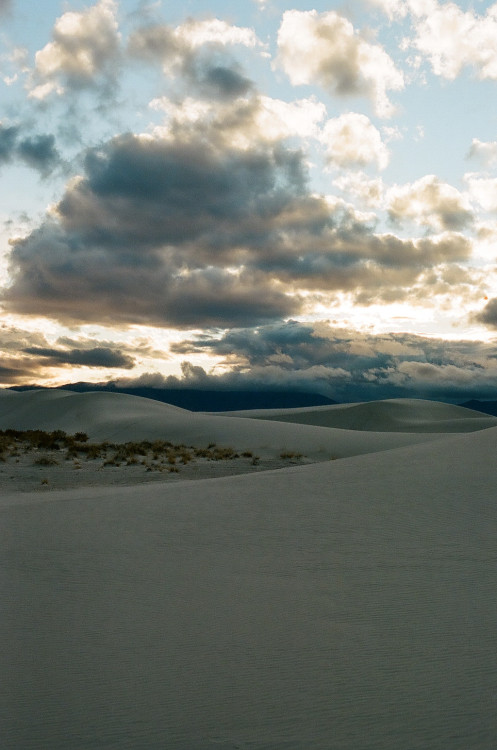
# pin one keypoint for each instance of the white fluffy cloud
(430, 202)
(214, 30)
(452, 39)
(84, 46)
(325, 49)
(243, 121)
(352, 140)
(483, 190)
(359, 186)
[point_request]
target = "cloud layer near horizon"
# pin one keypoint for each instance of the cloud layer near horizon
(339, 363)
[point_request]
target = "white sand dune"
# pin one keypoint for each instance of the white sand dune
(119, 417)
(345, 605)
(390, 415)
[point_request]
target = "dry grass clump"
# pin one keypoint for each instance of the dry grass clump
(46, 461)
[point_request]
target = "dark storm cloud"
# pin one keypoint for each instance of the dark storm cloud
(96, 357)
(147, 236)
(346, 365)
(185, 232)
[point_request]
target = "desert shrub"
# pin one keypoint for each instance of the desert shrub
(46, 461)
(94, 451)
(81, 437)
(112, 461)
(224, 454)
(290, 454)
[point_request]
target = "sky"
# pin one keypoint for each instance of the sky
(250, 195)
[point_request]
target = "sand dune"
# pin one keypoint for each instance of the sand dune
(391, 415)
(118, 417)
(344, 605)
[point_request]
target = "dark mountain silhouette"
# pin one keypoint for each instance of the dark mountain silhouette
(487, 407)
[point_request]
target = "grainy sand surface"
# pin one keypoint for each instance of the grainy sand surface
(340, 605)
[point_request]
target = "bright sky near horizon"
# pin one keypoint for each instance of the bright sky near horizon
(250, 194)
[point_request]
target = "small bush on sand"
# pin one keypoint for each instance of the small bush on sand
(46, 461)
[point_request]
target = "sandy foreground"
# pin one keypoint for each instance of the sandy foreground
(344, 604)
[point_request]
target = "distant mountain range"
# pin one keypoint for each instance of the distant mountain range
(487, 407)
(195, 399)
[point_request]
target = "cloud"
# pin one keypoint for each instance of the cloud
(487, 316)
(341, 363)
(186, 230)
(96, 357)
(430, 202)
(362, 188)
(352, 141)
(486, 151)
(325, 49)
(243, 123)
(83, 53)
(453, 39)
(28, 357)
(8, 138)
(158, 232)
(5, 5)
(37, 151)
(392, 8)
(483, 190)
(199, 51)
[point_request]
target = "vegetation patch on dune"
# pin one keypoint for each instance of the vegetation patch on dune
(57, 452)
